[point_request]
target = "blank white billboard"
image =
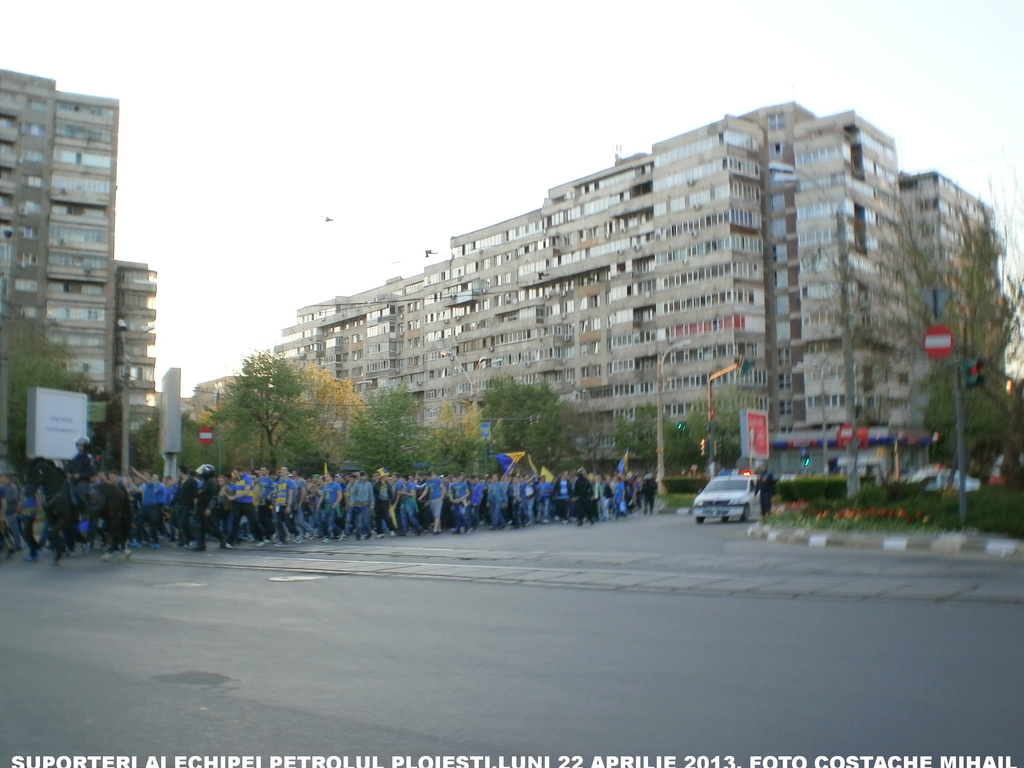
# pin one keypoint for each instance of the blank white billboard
(55, 420)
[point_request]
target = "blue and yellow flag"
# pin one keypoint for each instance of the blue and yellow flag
(509, 460)
(624, 463)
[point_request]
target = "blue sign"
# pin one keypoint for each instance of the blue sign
(485, 430)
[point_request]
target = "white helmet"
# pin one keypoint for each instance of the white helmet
(83, 440)
(206, 470)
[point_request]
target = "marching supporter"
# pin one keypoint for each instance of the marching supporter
(203, 520)
(361, 501)
(301, 509)
(184, 503)
(330, 508)
(478, 488)
(147, 520)
(284, 504)
(497, 499)
(265, 512)
(544, 490)
(583, 498)
(407, 507)
(458, 493)
(563, 495)
(10, 506)
(383, 497)
(27, 521)
(619, 500)
(244, 488)
(432, 491)
(167, 494)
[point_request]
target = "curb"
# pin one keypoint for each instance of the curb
(939, 544)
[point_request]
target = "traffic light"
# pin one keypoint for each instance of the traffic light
(975, 373)
(805, 456)
(681, 426)
(704, 446)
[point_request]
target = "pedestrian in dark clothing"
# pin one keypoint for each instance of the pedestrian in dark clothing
(648, 492)
(583, 498)
(765, 490)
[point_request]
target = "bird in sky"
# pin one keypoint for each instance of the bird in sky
(430, 253)
(327, 218)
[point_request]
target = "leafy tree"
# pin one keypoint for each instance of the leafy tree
(265, 404)
(386, 433)
(639, 436)
(36, 362)
(531, 418)
(335, 405)
(455, 445)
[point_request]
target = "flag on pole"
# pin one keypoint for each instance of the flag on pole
(547, 475)
(508, 461)
(624, 463)
(533, 467)
(326, 471)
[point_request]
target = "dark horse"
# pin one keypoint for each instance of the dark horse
(109, 510)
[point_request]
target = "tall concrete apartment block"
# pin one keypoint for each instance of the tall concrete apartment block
(721, 243)
(58, 170)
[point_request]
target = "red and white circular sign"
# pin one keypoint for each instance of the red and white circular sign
(938, 342)
(206, 435)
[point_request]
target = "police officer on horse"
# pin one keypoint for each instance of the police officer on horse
(81, 469)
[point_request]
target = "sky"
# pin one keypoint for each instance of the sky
(244, 124)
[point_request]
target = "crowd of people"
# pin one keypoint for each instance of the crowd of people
(202, 508)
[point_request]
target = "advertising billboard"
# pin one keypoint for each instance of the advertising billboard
(754, 440)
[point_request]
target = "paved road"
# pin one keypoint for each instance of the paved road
(647, 637)
(667, 553)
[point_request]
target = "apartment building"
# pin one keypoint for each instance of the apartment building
(58, 171)
(762, 236)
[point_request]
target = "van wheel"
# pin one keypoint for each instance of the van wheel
(699, 519)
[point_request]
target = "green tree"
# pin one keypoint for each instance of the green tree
(984, 312)
(265, 404)
(682, 443)
(36, 362)
(454, 444)
(531, 418)
(639, 436)
(386, 433)
(335, 405)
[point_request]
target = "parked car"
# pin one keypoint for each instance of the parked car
(940, 479)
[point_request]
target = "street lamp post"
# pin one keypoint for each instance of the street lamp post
(711, 413)
(5, 354)
(122, 326)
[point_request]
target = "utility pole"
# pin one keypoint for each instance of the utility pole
(5, 354)
(849, 365)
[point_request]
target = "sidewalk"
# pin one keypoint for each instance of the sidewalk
(942, 543)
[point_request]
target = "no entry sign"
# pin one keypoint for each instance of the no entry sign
(206, 435)
(938, 342)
